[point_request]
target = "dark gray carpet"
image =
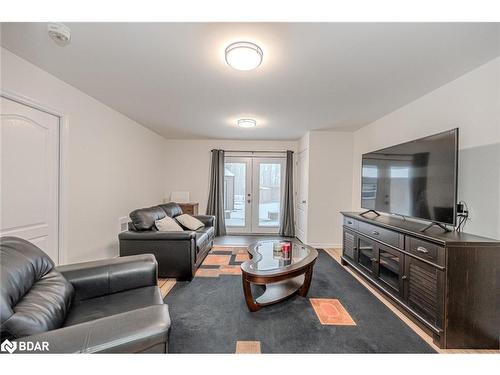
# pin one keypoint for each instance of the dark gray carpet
(209, 315)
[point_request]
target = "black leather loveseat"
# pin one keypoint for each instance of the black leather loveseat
(179, 254)
(108, 306)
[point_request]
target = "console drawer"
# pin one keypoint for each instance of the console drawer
(381, 234)
(351, 223)
(425, 250)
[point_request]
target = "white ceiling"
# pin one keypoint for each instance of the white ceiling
(172, 77)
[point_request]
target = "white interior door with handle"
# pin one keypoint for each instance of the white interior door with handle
(302, 195)
(30, 175)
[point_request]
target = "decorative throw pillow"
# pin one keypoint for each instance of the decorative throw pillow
(189, 221)
(167, 224)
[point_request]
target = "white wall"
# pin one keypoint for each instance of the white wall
(188, 163)
(471, 103)
(115, 165)
(330, 186)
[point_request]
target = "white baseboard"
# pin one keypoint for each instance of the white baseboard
(325, 246)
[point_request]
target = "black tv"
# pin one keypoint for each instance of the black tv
(416, 179)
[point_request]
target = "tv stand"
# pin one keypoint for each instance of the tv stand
(368, 211)
(430, 225)
(445, 282)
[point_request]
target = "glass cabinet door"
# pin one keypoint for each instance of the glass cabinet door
(366, 253)
(390, 268)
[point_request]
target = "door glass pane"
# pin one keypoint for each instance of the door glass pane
(269, 194)
(234, 194)
(389, 268)
(366, 254)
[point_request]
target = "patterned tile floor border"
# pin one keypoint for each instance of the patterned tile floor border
(331, 312)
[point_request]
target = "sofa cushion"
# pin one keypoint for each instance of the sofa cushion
(202, 241)
(112, 304)
(35, 297)
(167, 224)
(172, 209)
(144, 218)
(210, 231)
(189, 222)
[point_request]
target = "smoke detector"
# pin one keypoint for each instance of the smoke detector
(59, 33)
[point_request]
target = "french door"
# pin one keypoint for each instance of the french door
(253, 187)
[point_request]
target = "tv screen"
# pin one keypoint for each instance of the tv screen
(416, 179)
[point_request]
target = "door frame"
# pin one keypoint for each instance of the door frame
(252, 188)
(63, 188)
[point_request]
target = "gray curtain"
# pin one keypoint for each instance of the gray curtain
(287, 226)
(215, 204)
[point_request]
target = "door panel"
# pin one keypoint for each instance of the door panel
(302, 195)
(268, 179)
(237, 194)
(366, 253)
(349, 248)
(390, 268)
(424, 290)
(30, 175)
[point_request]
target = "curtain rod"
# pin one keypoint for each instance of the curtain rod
(260, 152)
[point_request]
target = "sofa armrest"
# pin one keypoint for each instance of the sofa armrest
(103, 277)
(207, 220)
(157, 235)
(134, 331)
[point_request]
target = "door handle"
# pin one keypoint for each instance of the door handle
(404, 277)
(374, 260)
(422, 249)
(303, 201)
(375, 233)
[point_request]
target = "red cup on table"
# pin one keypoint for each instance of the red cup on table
(286, 248)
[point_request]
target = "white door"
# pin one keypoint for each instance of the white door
(252, 194)
(268, 182)
(302, 195)
(238, 194)
(30, 175)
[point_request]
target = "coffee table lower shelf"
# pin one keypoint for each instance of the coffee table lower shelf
(279, 290)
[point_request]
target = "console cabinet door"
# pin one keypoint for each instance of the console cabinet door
(367, 254)
(424, 288)
(390, 269)
(349, 248)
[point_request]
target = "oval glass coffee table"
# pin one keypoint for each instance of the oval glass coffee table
(281, 275)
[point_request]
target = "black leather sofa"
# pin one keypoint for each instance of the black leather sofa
(108, 306)
(179, 254)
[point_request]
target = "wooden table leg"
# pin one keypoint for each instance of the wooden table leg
(247, 291)
(307, 281)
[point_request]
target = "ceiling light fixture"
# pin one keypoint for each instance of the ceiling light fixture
(59, 33)
(244, 55)
(247, 123)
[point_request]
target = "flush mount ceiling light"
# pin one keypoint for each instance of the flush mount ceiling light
(247, 123)
(243, 55)
(59, 33)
